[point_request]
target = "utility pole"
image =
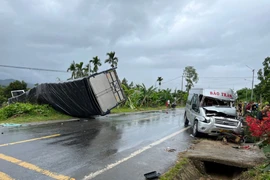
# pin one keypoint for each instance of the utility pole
(253, 70)
(246, 95)
(252, 84)
(182, 81)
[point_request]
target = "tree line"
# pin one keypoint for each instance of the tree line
(140, 96)
(78, 70)
(137, 95)
(262, 89)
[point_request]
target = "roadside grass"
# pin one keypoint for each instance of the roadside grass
(262, 171)
(26, 113)
(126, 109)
(257, 173)
(25, 118)
(174, 171)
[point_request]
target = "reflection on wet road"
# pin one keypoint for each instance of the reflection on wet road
(130, 144)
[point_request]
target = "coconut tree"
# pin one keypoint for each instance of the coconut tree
(112, 60)
(159, 80)
(72, 68)
(96, 63)
(79, 70)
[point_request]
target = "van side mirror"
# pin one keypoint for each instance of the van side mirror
(194, 106)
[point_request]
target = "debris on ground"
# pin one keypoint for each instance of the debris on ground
(152, 175)
(241, 147)
(231, 137)
(224, 141)
(10, 125)
(168, 149)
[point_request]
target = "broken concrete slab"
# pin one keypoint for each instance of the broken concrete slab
(215, 151)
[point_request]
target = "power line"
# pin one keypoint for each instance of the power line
(30, 68)
(210, 77)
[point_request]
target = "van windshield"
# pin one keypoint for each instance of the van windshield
(208, 101)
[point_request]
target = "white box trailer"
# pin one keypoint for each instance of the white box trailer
(96, 94)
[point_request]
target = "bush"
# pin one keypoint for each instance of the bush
(18, 109)
(259, 128)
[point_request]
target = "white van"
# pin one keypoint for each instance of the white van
(211, 110)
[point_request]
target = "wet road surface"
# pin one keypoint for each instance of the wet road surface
(111, 147)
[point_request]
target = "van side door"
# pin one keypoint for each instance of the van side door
(194, 109)
(188, 106)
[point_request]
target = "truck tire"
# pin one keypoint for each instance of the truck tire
(186, 119)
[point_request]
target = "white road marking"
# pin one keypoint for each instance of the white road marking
(110, 166)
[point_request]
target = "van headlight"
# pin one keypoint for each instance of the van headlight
(207, 120)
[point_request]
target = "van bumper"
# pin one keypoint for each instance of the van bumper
(213, 129)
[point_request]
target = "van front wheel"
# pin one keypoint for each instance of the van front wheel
(195, 132)
(186, 120)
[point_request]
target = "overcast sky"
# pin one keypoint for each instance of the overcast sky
(151, 38)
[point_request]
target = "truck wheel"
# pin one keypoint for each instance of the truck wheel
(195, 132)
(186, 120)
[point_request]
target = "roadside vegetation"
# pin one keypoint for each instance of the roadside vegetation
(139, 97)
(258, 173)
(173, 173)
(261, 90)
(127, 109)
(25, 112)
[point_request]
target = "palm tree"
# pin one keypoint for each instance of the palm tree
(96, 62)
(79, 70)
(159, 79)
(112, 60)
(72, 68)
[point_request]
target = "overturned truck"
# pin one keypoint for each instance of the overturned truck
(96, 94)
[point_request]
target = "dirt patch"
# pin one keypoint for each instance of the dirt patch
(212, 160)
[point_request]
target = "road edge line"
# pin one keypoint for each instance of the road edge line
(110, 166)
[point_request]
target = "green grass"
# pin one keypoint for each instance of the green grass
(257, 173)
(174, 171)
(35, 118)
(26, 113)
(126, 109)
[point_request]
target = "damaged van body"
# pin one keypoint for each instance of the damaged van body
(211, 111)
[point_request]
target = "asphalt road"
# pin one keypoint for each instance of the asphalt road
(118, 147)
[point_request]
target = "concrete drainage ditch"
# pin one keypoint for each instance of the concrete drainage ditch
(210, 160)
(221, 171)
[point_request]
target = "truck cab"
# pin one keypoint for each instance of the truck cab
(211, 111)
